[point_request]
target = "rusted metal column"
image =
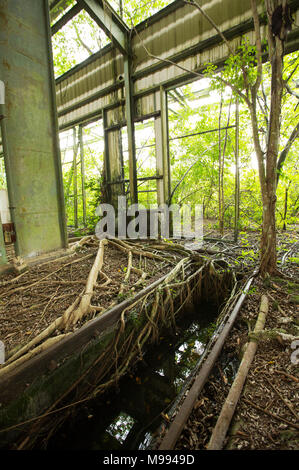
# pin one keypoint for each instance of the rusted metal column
(113, 160)
(82, 160)
(131, 131)
(165, 145)
(75, 182)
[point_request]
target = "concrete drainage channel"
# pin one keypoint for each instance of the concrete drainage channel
(150, 406)
(192, 350)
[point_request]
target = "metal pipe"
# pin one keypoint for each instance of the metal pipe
(185, 410)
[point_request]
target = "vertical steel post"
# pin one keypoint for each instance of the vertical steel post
(131, 131)
(81, 143)
(113, 161)
(165, 145)
(75, 183)
(159, 159)
(107, 173)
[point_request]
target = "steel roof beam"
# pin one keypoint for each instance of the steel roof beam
(57, 7)
(65, 19)
(102, 13)
(119, 33)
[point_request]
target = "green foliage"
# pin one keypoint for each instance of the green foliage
(245, 58)
(232, 72)
(76, 41)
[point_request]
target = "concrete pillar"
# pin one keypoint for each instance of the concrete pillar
(29, 128)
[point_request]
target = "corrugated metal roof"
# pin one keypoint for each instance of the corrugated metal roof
(178, 34)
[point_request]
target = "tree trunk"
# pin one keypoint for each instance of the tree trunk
(268, 258)
(268, 262)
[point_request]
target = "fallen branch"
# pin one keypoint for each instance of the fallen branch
(228, 409)
(281, 336)
(83, 241)
(289, 376)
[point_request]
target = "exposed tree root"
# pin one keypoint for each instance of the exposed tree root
(70, 318)
(184, 281)
(125, 247)
(80, 307)
(42, 347)
(30, 285)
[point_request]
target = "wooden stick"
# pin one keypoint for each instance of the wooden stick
(228, 409)
(289, 376)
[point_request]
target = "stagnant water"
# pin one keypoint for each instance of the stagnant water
(129, 416)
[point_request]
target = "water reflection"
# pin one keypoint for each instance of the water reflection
(120, 428)
(128, 417)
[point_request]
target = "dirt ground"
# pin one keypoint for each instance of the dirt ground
(266, 417)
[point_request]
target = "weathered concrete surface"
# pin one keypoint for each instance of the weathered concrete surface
(32, 156)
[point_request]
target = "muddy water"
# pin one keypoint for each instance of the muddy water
(129, 416)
